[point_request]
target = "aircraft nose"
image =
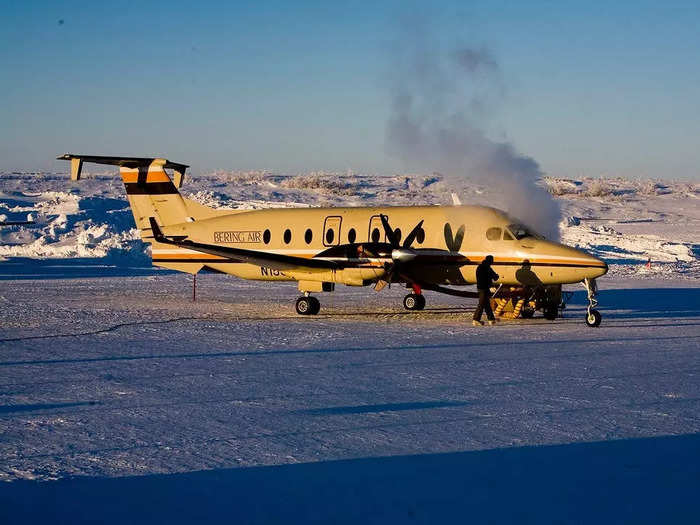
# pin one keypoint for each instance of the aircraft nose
(597, 268)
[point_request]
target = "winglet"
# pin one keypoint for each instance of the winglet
(157, 233)
(160, 237)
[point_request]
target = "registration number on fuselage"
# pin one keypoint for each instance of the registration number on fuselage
(237, 236)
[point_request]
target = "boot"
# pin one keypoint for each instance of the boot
(477, 323)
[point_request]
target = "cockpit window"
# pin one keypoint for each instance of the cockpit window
(520, 231)
(507, 236)
(493, 234)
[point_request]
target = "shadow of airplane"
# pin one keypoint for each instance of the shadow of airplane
(668, 303)
(10, 409)
(648, 480)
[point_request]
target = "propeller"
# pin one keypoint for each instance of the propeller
(399, 253)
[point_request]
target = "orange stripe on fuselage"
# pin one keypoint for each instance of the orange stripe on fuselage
(515, 262)
(518, 262)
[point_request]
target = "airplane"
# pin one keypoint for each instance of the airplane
(420, 247)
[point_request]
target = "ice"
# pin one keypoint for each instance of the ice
(124, 390)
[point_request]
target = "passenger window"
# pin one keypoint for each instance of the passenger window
(308, 236)
(507, 236)
(287, 236)
(330, 234)
(375, 235)
(352, 236)
(266, 237)
(421, 236)
(397, 234)
(493, 234)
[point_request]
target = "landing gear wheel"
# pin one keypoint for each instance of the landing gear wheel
(308, 306)
(593, 318)
(414, 302)
(550, 313)
(527, 313)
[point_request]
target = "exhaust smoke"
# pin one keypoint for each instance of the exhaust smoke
(440, 102)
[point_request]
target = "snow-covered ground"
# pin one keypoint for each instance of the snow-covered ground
(144, 406)
(123, 401)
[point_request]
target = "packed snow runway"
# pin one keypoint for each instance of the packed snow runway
(122, 399)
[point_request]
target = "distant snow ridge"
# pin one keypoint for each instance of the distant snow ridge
(68, 225)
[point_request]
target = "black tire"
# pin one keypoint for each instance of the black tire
(550, 313)
(421, 302)
(316, 305)
(527, 313)
(304, 306)
(411, 302)
(593, 318)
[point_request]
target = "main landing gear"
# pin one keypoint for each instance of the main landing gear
(307, 305)
(593, 316)
(415, 300)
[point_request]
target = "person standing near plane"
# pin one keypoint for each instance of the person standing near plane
(484, 277)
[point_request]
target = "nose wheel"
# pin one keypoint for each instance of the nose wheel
(307, 305)
(593, 317)
(414, 302)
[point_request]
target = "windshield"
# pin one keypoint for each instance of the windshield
(520, 231)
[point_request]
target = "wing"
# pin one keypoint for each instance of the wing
(275, 261)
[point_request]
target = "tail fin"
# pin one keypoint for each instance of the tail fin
(152, 193)
(149, 188)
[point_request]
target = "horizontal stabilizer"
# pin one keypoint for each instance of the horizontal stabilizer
(76, 164)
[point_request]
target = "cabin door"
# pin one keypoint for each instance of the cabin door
(331, 230)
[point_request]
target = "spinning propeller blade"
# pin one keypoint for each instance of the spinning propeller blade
(412, 236)
(389, 231)
(400, 254)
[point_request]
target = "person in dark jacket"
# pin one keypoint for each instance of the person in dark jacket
(484, 278)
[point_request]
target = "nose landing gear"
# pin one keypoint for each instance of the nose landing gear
(593, 317)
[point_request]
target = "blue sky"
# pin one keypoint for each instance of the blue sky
(590, 88)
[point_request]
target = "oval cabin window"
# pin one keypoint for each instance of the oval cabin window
(352, 236)
(493, 234)
(287, 236)
(420, 237)
(330, 235)
(308, 236)
(397, 234)
(375, 235)
(266, 237)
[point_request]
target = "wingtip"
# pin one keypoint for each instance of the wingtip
(155, 228)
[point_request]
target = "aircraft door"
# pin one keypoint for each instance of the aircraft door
(331, 230)
(376, 230)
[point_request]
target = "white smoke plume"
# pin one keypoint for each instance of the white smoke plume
(441, 100)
